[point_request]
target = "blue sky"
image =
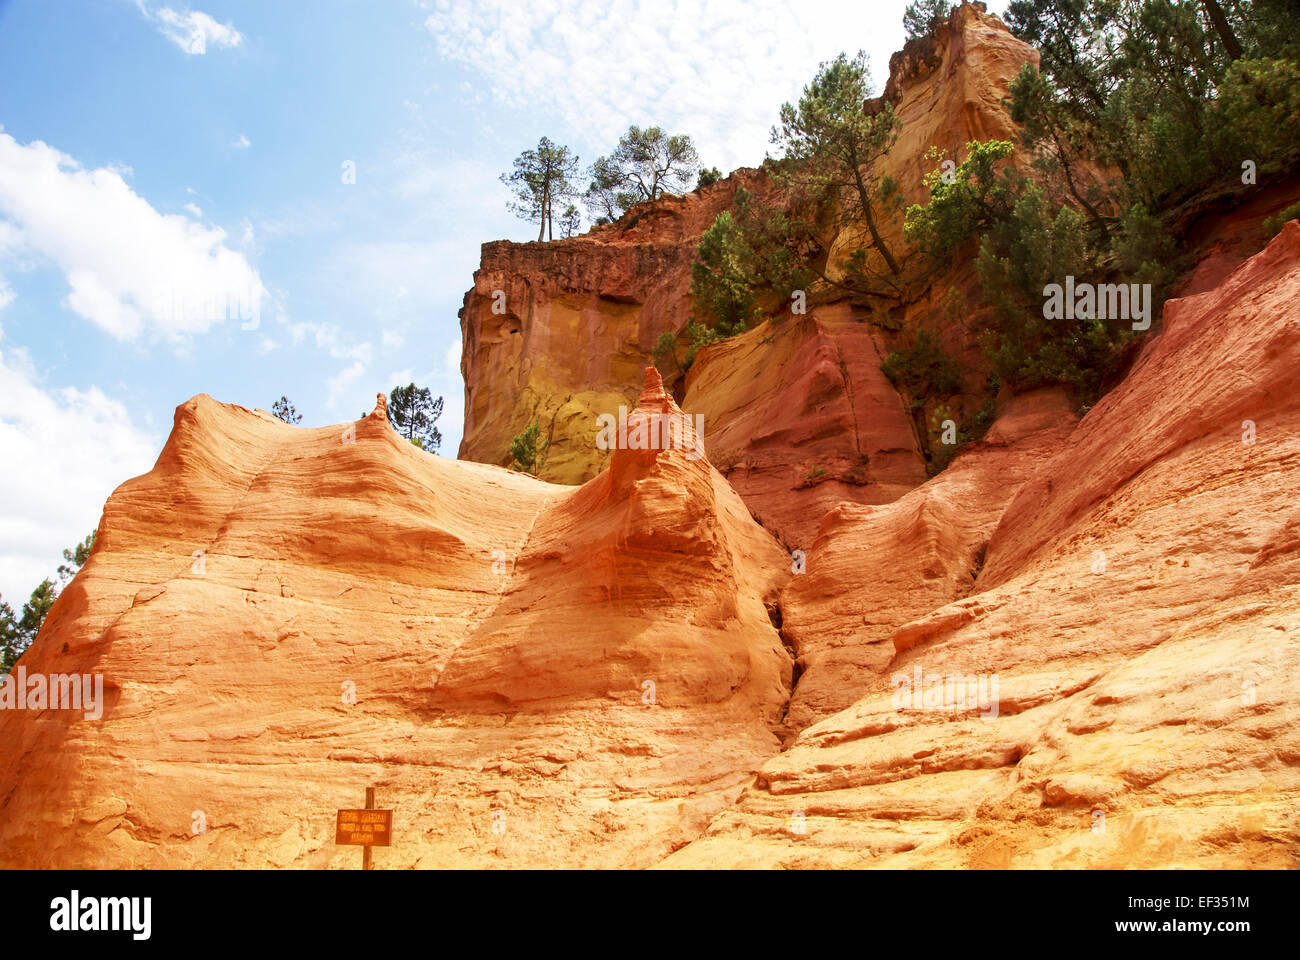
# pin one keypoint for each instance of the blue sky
(157, 159)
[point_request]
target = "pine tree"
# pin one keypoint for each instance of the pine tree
(541, 180)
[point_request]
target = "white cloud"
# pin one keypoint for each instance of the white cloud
(243, 143)
(393, 338)
(329, 337)
(192, 30)
(66, 450)
(458, 185)
(718, 71)
(193, 208)
(248, 239)
(6, 293)
(129, 268)
(342, 381)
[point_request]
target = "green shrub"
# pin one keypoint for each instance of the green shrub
(524, 450)
(698, 336)
(971, 431)
(722, 278)
(1274, 223)
(1259, 103)
(922, 16)
(665, 348)
(1144, 252)
(924, 370)
(1018, 257)
(965, 199)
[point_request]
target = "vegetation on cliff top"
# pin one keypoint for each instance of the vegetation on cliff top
(645, 165)
(923, 16)
(1142, 113)
(541, 180)
(282, 409)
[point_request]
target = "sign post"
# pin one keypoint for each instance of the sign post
(365, 828)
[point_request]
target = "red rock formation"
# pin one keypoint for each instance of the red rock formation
(1135, 607)
(799, 417)
(872, 569)
(496, 633)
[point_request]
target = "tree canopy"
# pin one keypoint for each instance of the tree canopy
(922, 16)
(527, 452)
(709, 176)
(282, 409)
(1170, 93)
(541, 180)
(833, 143)
(646, 164)
(413, 412)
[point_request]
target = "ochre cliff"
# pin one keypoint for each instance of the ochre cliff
(798, 415)
(560, 332)
(768, 639)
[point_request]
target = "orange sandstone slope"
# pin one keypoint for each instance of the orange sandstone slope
(590, 670)
(1138, 604)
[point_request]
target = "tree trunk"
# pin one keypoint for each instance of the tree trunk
(876, 241)
(546, 205)
(1064, 160)
(1222, 28)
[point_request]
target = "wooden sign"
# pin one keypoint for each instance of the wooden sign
(364, 828)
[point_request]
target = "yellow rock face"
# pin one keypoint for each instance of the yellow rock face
(560, 333)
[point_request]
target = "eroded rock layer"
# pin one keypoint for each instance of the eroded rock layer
(1074, 647)
(1137, 607)
(529, 674)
